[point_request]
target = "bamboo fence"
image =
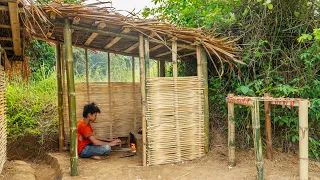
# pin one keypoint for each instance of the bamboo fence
(175, 129)
(117, 120)
(3, 123)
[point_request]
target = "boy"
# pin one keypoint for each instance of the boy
(89, 144)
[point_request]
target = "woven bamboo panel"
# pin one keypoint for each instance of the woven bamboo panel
(118, 117)
(3, 124)
(175, 121)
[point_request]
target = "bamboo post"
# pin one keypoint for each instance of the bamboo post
(267, 109)
(303, 140)
(257, 138)
(176, 103)
(206, 98)
(60, 97)
(158, 68)
(134, 95)
(87, 73)
(200, 85)
(110, 96)
(162, 69)
(72, 99)
(143, 99)
(231, 134)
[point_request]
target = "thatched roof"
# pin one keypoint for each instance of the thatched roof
(104, 29)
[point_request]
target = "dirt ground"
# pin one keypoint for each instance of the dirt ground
(213, 166)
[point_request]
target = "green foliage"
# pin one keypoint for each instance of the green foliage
(32, 108)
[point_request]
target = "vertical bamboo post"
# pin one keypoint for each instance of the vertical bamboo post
(143, 99)
(231, 134)
(303, 140)
(110, 97)
(257, 138)
(267, 111)
(158, 68)
(176, 103)
(147, 72)
(162, 69)
(134, 95)
(60, 97)
(87, 73)
(206, 98)
(200, 85)
(72, 99)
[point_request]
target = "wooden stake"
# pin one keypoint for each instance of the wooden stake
(72, 99)
(257, 138)
(162, 69)
(134, 95)
(303, 140)
(176, 103)
(60, 97)
(87, 73)
(143, 99)
(267, 109)
(206, 98)
(231, 134)
(110, 96)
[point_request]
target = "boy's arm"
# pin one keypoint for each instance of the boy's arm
(95, 141)
(105, 139)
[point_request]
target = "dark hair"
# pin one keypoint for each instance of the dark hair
(90, 108)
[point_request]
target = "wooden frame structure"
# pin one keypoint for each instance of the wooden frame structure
(254, 102)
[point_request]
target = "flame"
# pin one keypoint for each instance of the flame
(133, 147)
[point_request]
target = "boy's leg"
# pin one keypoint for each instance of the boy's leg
(92, 150)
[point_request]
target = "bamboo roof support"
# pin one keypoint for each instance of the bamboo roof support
(87, 73)
(71, 99)
(303, 140)
(60, 97)
(5, 39)
(134, 94)
(134, 46)
(116, 39)
(94, 35)
(5, 26)
(168, 52)
(110, 96)
(156, 47)
(15, 28)
(205, 97)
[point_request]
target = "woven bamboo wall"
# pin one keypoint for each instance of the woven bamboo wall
(175, 121)
(3, 123)
(119, 119)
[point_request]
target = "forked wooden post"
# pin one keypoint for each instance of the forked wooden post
(87, 73)
(206, 98)
(72, 99)
(231, 134)
(257, 138)
(303, 140)
(60, 97)
(267, 111)
(143, 100)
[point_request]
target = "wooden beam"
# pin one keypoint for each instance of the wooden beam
(136, 45)
(5, 39)
(188, 54)
(60, 96)
(166, 53)
(94, 35)
(156, 47)
(5, 26)
(6, 8)
(115, 40)
(267, 111)
(8, 48)
(15, 28)
(126, 36)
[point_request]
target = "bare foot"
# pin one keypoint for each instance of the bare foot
(96, 157)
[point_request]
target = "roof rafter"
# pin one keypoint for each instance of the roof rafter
(15, 28)
(94, 35)
(168, 52)
(137, 44)
(115, 40)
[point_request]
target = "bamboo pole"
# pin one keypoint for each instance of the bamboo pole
(60, 97)
(72, 99)
(303, 140)
(231, 134)
(134, 94)
(162, 69)
(143, 100)
(257, 138)
(206, 98)
(87, 73)
(267, 109)
(158, 68)
(200, 85)
(176, 103)
(110, 96)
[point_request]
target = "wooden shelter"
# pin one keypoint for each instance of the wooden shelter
(171, 111)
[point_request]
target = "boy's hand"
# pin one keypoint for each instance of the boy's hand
(115, 142)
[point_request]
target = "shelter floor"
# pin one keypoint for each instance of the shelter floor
(212, 166)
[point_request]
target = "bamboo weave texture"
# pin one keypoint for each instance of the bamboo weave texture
(3, 123)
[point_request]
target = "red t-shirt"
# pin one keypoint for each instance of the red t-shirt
(84, 132)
